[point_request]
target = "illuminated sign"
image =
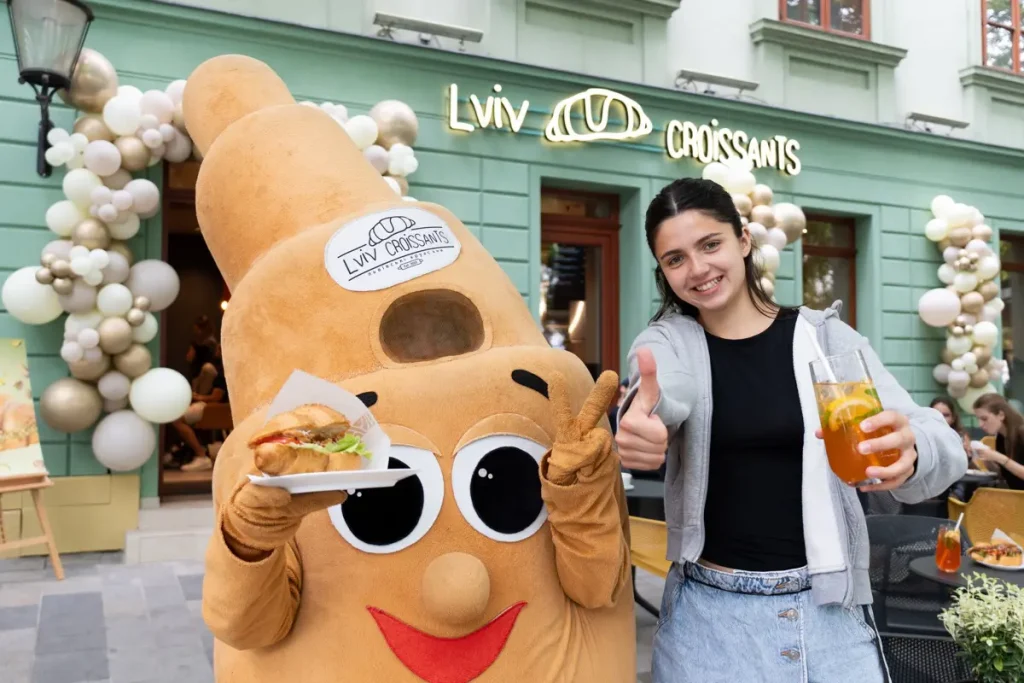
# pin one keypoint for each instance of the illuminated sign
(586, 117)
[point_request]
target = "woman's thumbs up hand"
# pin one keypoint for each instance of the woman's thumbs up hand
(642, 437)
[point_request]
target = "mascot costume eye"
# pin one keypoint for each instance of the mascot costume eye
(504, 557)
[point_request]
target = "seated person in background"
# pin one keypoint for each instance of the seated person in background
(947, 408)
(208, 386)
(998, 418)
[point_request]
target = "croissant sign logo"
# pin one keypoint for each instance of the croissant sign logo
(600, 114)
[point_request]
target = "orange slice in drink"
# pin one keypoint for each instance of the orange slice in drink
(850, 410)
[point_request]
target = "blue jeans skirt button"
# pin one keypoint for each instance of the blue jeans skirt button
(791, 655)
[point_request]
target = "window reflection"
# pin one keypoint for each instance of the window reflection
(829, 265)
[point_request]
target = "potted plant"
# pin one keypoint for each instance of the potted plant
(986, 621)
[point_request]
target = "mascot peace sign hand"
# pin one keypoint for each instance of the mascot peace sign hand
(579, 442)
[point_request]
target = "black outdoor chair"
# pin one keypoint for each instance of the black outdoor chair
(923, 659)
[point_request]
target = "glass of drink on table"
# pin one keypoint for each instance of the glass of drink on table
(947, 549)
(846, 396)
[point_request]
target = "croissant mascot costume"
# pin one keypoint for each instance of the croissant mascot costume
(506, 558)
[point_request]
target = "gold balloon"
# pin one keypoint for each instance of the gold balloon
(135, 317)
(972, 302)
(90, 370)
(123, 249)
(134, 362)
(44, 276)
(743, 204)
(47, 259)
(763, 214)
(61, 268)
(983, 355)
(142, 303)
(947, 355)
(944, 244)
(980, 378)
(93, 127)
(396, 122)
(791, 220)
(92, 234)
(403, 184)
(744, 221)
(959, 237)
(63, 285)
(989, 290)
(93, 82)
(115, 335)
(134, 153)
(762, 196)
(70, 405)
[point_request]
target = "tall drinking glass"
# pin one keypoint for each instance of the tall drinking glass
(846, 396)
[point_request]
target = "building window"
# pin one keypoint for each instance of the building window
(1011, 253)
(830, 265)
(1001, 43)
(845, 17)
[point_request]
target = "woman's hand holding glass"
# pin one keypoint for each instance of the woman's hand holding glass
(900, 438)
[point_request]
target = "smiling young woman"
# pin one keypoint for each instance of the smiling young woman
(769, 548)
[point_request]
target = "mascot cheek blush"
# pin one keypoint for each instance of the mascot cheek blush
(502, 553)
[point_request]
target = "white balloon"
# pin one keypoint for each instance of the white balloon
(122, 115)
(114, 386)
(758, 233)
(78, 142)
(155, 280)
(157, 103)
(400, 150)
(123, 441)
(145, 195)
(951, 254)
(958, 345)
(936, 230)
(938, 307)
(117, 270)
(78, 251)
(102, 158)
(54, 156)
(161, 395)
(969, 359)
(168, 132)
(961, 215)
(988, 268)
(965, 282)
(176, 91)
(79, 184)
(100, 258)
(81, 265)
(941, 373)
(985, 333)
(716, 172)
(76, 322)
(126, 227)
(114, 300)
(740, 181)
(94, 277)
(770, 258)
(63, 216)
(146, 332)
(410, 165)
(959, 378)
(27, 300)
(976, 246)
(57, 136)
(776, 237)
(178, 149)
(102, 195)
(363, 131)
(88, 338)
(121, 200)
(947, 273)
(148, 122)
(129, 92)
(378, 158)
(107, 213)
(970, 369)
(94, 354)
(957, 364)
(71, 352)
(393, 184)
(152, 139)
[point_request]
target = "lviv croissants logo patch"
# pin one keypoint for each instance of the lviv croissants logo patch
(563, 128)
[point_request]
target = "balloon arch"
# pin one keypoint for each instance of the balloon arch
(89, 272)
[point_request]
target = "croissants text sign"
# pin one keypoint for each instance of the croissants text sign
(602, 114)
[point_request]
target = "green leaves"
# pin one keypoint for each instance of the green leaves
(986, 621)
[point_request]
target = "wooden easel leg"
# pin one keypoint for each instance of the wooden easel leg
(44, 523)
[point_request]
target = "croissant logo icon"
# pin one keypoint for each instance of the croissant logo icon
(596, 104)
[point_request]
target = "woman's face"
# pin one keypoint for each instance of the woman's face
(945, 411)
(990, 422)
(702, 259)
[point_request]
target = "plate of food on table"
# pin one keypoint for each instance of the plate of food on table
(1001, 552)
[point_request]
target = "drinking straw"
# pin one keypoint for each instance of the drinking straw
(957, 527)
(821, 355)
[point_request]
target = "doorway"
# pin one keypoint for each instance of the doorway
(579, 292)
(190, 342)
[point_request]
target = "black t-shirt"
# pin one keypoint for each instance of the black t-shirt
(754, 512)
(1012, 480)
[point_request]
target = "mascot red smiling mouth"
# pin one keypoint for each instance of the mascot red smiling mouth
(505, 556)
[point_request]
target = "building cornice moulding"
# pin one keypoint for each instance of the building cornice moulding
(657, 8)
(812, 40)
(995, 80)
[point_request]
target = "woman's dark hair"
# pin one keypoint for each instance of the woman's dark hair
(1014, 422)
(948, 402)
(711, 199)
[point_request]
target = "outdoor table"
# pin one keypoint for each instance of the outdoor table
(925, 567)
(646, 498)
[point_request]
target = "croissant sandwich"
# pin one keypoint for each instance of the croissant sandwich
(1002, 554)
(311, 438)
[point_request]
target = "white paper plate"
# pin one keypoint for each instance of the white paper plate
(981, 473)
(349, 480)
(1000, 535)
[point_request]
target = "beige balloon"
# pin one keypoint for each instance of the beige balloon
(44, 276)
(115, 335)
(983, 354)
(63, 285)
(135, 317)
(90, 370)
(91, 234)
(959, 237)
(790, 218)
(142, 303)
(944, 244)
(396, 122)
(403, 184)
(134, 153)
(762, 196)
(989, 290)
(134, 362)
(93, 82)
(70, 405)
(763, 214)
(980, 378)
(972, 302)
(947, 356)
(61, 268)
(743, 204)
(123, 249)
(93, 127)
(982, 232)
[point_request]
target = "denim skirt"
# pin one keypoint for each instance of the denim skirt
(760, 627)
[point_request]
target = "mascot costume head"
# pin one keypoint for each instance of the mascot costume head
(506, 556)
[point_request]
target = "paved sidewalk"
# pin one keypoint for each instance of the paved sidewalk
(113, 623)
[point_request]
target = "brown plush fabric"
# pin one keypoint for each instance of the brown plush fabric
(286, 595)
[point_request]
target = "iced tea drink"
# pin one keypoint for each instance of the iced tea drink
(845, 399)
(947, 550)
